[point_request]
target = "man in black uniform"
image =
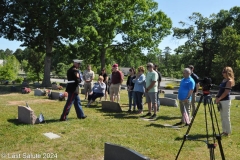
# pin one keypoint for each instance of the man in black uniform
(159, 81)
(196, 80)
(73, 91)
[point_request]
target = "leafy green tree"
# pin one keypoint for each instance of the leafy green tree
(44, 25)
(35, 60)
(123, 29)
(9, 70)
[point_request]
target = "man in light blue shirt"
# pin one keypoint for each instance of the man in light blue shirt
(151, 90)
(185, 91)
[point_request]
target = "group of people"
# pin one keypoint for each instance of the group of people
(140, 85)
(188, 89)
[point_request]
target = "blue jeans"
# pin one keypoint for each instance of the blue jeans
(131, 100)
(138, 99)
(73, 98)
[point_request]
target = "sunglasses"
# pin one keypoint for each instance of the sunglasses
(149, 66)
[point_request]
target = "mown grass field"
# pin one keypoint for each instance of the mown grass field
(84, 139)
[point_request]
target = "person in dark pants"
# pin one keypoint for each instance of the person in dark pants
(97, 91)
(158, 82)
(139, 83)
(73, 91)
(195, 91)
(130, 87)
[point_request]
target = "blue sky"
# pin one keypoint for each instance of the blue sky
(177, 10)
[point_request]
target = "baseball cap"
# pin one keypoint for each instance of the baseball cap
(115, 65)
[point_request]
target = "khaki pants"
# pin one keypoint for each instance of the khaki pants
(187, 107)
(225, 116)
(193, 103)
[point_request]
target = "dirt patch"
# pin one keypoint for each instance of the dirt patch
(30, 101)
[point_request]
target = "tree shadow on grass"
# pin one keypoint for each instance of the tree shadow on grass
(155, 125)
(167, 118)
(195, 137)
(17, 123)
(118, 115)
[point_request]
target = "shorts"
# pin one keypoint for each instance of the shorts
(88, 86)
(151, 97)
(115, 89)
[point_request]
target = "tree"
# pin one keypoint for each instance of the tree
(43, 24)
(35, 59)
(9, 70)
(123, 30)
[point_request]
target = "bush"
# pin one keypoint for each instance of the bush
(19, 80)
(169, 87)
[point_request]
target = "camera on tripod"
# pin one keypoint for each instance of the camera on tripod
(206, 85)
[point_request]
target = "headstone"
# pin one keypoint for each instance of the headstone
(82, 91)
(25, 84)
(38, 92)
(54, 95)
(117, 152)
(54, 87)
(173, 96)
(51, 135)
(36, 84)
(168, 102)
(26, 115)
(63, 84)
(13, 89)
(237, 97)
(111, 106)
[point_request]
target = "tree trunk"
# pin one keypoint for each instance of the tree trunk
(103, 57)
(47, 64)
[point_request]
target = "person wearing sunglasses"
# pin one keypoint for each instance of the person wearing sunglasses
(139, 83)
(223, 98)
(105, 80)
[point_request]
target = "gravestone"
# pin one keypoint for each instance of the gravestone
(26, 115)
(13, 89)
(117, 152)
(82, 91)
(54, 87)
(54, 95)
(237, 97)
(111, 106)
(36, 84)
(173, 96)
(38, 92)
(168, 102)
(63, 84)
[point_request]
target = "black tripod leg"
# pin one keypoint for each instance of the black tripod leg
(189, 127)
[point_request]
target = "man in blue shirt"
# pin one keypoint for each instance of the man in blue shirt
(185, 91)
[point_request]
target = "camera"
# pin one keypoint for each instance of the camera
(206, 85)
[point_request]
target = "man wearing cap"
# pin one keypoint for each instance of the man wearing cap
(116, 81)
(73, 91)
(196, 80)
(88, 76)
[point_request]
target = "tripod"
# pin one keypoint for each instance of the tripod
(211, 146)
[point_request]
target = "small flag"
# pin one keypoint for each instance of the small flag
(41, 118)
(185, 116)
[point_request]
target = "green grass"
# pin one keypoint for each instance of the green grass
(84, 139)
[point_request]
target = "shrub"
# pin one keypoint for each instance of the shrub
(19, 80)
(169, 87)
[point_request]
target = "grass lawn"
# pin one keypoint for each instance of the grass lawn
(84, 139)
